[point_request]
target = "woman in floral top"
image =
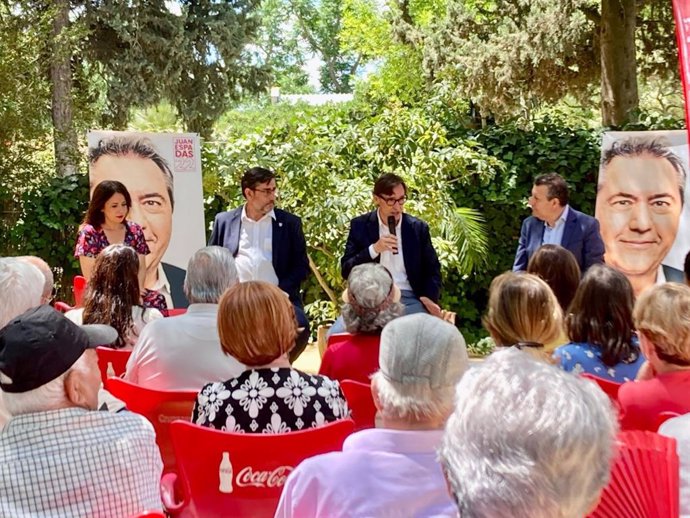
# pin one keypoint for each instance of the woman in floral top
(601, 329)
(105, 224)
(257, 326)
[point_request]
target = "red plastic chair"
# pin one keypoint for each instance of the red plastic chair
(173, 312)
(644, 478)
(361, 402)
(62, 307)
(112, 362)
(609, 387)
(161, 407)
(665, 416)
(239, 474)
(78, 287)
(149, 514)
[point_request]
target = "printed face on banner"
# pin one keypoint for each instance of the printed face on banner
(639, 205)
(151, 203)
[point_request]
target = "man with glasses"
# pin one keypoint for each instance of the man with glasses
(407, 253)
(268, 243)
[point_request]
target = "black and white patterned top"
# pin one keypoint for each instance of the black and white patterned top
(276, 400)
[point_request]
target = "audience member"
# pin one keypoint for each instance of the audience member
(527, 441)
(601, 329)
(58, 456)
(686, 269)
(523, 312)
(184, 352)
(662, 319)
(679, 429)
(559, 269)
(112, 296)
(48, 279)
(258, 327)
(391, 470)
(371, 301)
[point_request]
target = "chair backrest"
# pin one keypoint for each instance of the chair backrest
(78, 287)
(609, 387)
(149, 514)
(361, 403)
(112, 362)
(239, 474)
(173, 312)
(644, 478)
(160, 407)
(62, 307)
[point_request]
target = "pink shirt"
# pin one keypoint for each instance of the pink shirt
(642, 401)
(379, 473)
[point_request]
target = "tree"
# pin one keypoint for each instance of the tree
(514, 54)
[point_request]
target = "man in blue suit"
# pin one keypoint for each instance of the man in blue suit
(408, 254)
(555, 222)
(268, 243)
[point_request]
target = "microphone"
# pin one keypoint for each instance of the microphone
(391, 229)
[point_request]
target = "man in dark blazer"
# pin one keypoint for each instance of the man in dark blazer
(553, 221)
(268, 243)
(409, 255)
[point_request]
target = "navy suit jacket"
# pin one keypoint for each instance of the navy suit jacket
(581, 236)
(176, 277)
(289, 247)
(421, 264)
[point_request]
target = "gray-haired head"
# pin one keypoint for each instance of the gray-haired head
(638, 146)
(48, 279)
(421, 359)
(21, 288)
(371, 299)
(141, 147)
(211, 271)
(527, 440)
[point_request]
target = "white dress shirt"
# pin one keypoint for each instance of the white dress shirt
(182, 352)
(255, 253)
(394, 263)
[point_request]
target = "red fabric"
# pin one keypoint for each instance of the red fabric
(642, 401)
(355, 358)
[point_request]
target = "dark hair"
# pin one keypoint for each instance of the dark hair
(113, 290)
(557, 187)
(101, 194)
(559, 268)
(387, 182)
(636, 146)
(140, 147)
(686, 268)
(254, 176)
(601, 315)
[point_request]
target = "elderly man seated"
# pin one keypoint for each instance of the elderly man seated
(391, 470)
(527, 440)
(58, 456)
(184, 352)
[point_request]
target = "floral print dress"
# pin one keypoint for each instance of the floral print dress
(276, 400)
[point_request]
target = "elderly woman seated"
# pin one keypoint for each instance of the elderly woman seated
(258, 327)
(523, 313)
(371, 301)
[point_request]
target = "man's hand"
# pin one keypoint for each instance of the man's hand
(386, 244)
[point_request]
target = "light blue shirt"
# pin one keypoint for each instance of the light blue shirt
(554, 235)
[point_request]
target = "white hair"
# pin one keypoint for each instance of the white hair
(50, 396)
(211, 271)
(21, 288)
(527, 440)
(48, 278)
(412, 402)
(369, 284)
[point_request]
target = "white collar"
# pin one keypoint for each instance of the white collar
(244, 216)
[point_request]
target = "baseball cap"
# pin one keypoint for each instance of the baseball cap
(41, 344)
(422, 349)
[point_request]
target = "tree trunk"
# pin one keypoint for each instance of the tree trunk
(64, 136)
(619, 98)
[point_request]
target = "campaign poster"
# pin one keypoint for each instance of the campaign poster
(162, 172)
(642, 193)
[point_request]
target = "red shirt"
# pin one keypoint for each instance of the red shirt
(354, 358)
(642, 401)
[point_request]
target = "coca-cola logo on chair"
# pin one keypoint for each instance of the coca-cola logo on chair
(248, 477)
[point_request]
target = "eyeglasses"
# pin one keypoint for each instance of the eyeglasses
(267, 191)
(392, 201)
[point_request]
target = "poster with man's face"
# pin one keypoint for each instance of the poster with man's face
(641, 207)
(162, 172)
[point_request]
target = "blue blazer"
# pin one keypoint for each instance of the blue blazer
(581, 236)
(289, 247)
(421, 264)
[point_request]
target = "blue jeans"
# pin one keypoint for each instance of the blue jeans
(407, 298)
